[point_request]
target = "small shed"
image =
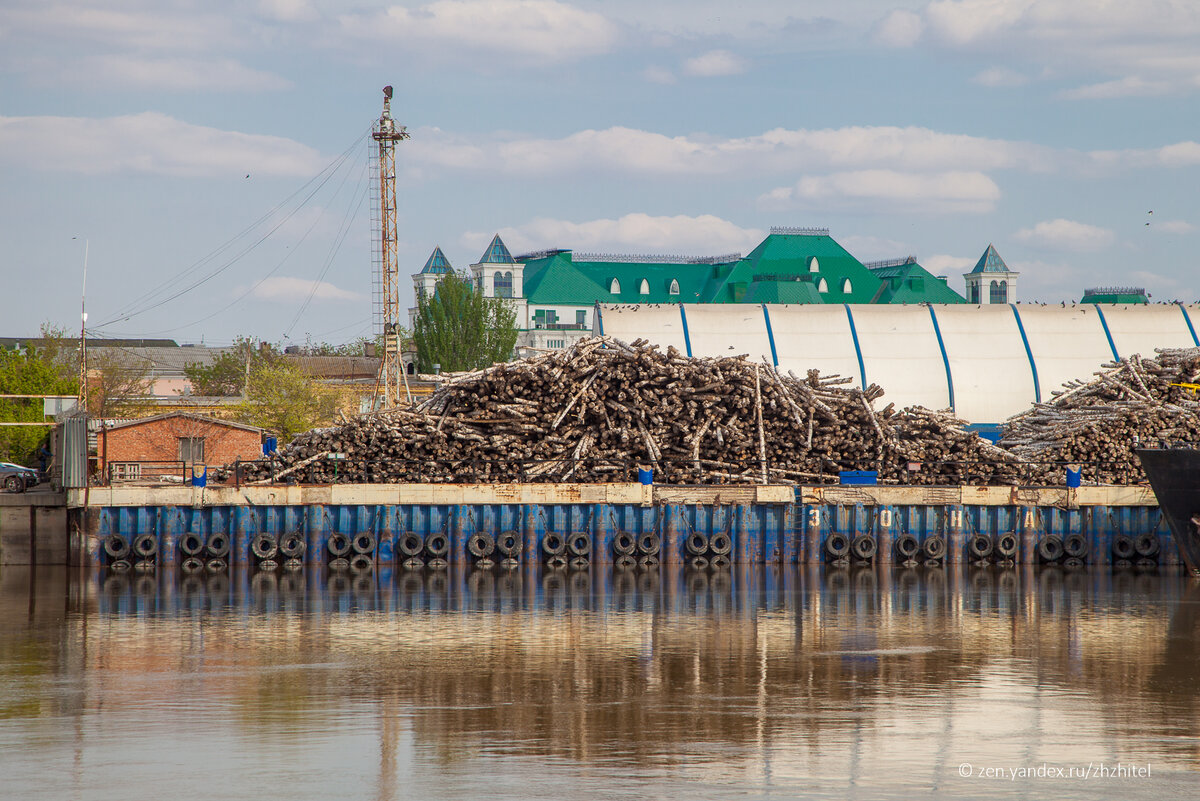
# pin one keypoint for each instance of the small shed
(172, 444)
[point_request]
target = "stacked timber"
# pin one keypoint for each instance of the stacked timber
(597, 411)
(1097, 425)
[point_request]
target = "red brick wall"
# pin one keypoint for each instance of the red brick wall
(158, 441)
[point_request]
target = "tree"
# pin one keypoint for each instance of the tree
(283, 399)
(27, 372)
(460, 329)
(119, 383)
(226, 375)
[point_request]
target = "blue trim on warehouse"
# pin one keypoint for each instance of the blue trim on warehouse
(687, 339)
(862, 366)
(1191, 329)
(770, 336)
(937, 332)
(1037, 386)
(1111, 345)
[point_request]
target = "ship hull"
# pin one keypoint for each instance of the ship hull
(1174, 475)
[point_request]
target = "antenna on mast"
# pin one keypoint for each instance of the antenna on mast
(386, 134)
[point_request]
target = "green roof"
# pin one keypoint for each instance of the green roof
(990, 262)
(1116, 294)
(792, 265)
(908, 282)
(810, 255)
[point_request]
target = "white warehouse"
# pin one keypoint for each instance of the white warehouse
(985, 362)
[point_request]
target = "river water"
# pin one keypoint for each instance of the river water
(760, 682)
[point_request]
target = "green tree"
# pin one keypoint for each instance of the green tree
(226, 375)
(283, 399)
(27, 372)
(460, 329)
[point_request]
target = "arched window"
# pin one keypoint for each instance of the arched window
(502, 282)
(847, 287)
(673, 289)
(822, 286)
(644, 287)
(973, 293)
(614, 287)
(814, 266)
(998, 292)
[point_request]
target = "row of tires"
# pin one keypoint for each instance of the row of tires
(645, 550)
(1051, 549)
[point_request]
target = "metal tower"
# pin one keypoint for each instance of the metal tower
(387, 301)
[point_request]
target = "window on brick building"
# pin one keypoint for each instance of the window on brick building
(191, 450)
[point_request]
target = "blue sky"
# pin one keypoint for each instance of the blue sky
(212, 153)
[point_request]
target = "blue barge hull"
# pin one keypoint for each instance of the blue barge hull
(764, 524)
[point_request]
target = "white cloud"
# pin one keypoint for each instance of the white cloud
(900, 28)
(530, 29)
(285, 289)
(714, 63)
(1067, 235)
(1145, 46)
(1173, 226)
(1000, 77)
(287, 10)
(656, 74)
(1131, 86)
(178, 73)
(646, 152)
(944, 264)
(946, 192)
(147, 143)
(642, 233)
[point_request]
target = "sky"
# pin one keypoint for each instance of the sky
(209, 160)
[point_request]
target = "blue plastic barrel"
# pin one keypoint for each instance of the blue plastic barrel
(1074, 477)
(270, 444)
(199, 475)
(646, 475)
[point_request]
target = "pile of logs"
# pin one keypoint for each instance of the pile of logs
(598, 410)
(1097, 425)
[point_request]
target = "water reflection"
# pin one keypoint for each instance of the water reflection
(461, 682)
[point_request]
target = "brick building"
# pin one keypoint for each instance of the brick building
(170, 444)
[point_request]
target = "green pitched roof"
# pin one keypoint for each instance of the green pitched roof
(908, 282)
(806, 255)
(990, 262)
(497, 253)
(437, 263)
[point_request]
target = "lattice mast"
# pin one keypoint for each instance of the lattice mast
(386, 134)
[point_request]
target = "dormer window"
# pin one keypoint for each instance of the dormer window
(822, 287)
(814, 266)
(847, 287)
(614, 287)
(673, 289)
(644, 287)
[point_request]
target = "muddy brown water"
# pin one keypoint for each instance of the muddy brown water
(761, 682)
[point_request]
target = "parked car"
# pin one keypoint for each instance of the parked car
(16, 478)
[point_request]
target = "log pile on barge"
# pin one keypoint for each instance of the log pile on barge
(598, 410)
(1098, 424)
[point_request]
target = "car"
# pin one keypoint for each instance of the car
(16, 478)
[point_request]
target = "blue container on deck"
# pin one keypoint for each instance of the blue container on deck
(199, 475)
(858, 477)
(645, 476)
(270, 444)
(1074, 477)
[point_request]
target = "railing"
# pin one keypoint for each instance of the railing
(681, 471)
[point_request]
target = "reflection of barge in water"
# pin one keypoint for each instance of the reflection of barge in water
(1174, 474)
